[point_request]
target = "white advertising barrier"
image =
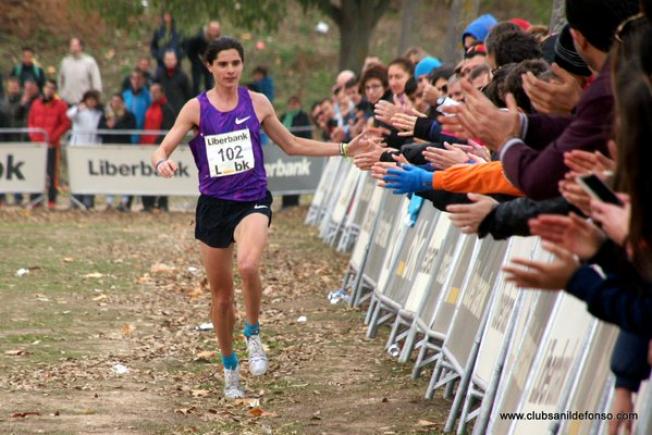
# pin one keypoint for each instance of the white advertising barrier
(127, 170)
(355, 218)
(530, 328)
(496, 336)
(375, 314)
(366, 189)
(362, 247)
(454, 287)
(443, 267)
(385, 238)
(589, 391)
(424, 286)
(564, 342)
(325, 182)
(399, 268)
(342, 206)
(501, 312)
(467, 319)
(433, 321)
(332, 193)
(366, 229)
(23, 167)
(410, 257)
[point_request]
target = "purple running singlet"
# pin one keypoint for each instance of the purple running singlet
(228, 152)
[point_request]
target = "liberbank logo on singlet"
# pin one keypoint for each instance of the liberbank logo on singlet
(229, 153)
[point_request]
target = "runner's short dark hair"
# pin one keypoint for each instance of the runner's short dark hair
(220, 44)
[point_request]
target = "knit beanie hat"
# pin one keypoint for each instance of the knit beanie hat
(426, 65)
(566, 56)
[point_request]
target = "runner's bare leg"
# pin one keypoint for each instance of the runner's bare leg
(219, 270)
(251, 239)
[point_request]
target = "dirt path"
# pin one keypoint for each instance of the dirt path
(113, 289)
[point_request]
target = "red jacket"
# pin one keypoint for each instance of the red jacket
(51, 117)
(159, 116)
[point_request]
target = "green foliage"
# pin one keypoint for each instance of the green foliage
(263, 14)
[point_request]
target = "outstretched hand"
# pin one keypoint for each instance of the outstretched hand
(407, 179)
(479, 118)
(468, 217)
(543, 275)
(573, 233)
(559, 96)
(363, 143)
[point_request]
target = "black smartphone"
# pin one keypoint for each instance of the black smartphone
(598, 190)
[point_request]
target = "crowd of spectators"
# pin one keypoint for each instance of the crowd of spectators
(500, 139)
(150, 97)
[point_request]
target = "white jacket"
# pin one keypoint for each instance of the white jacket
(84, 125)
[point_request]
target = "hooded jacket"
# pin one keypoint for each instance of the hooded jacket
(480, 27)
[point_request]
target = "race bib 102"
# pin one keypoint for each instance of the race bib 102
(229, 153)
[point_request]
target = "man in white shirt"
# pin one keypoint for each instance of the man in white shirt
(78, 73)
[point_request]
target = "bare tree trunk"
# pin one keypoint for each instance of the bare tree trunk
(356, 20)
(558, 16)
(407, 24)
(461, 14)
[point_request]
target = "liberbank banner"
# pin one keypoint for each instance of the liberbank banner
(126, 169)
(22, 167)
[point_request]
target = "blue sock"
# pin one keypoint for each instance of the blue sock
(230, 362)
(250, 329)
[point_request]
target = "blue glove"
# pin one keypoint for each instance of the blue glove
(409, 179)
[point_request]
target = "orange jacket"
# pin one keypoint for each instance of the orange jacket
(483, 178)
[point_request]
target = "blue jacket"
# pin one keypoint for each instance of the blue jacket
(266, 86)
(480, 27)
(629, 361)
(138, 105)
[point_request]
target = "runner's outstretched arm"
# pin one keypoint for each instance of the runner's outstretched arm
(187, 119)
(294, 145)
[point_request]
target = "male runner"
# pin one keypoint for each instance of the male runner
(234, 205)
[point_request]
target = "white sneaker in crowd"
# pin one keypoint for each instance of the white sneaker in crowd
(232, 388)
(257, 357)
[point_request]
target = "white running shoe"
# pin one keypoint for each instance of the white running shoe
(257, 357)
(232, 388)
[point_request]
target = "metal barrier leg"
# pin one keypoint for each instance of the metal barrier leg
(408, 345)
(416, 371)
(466, 406)
(450, 389)
(460, 395)
(39, 199)
(370, 310)
(78, 203)
(394, 332)
(371, 330)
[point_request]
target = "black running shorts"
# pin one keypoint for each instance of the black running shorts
(216, 219)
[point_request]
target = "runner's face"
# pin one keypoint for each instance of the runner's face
(227, 68)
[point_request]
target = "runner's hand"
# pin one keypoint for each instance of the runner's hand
(167, 168)
(363, 143)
